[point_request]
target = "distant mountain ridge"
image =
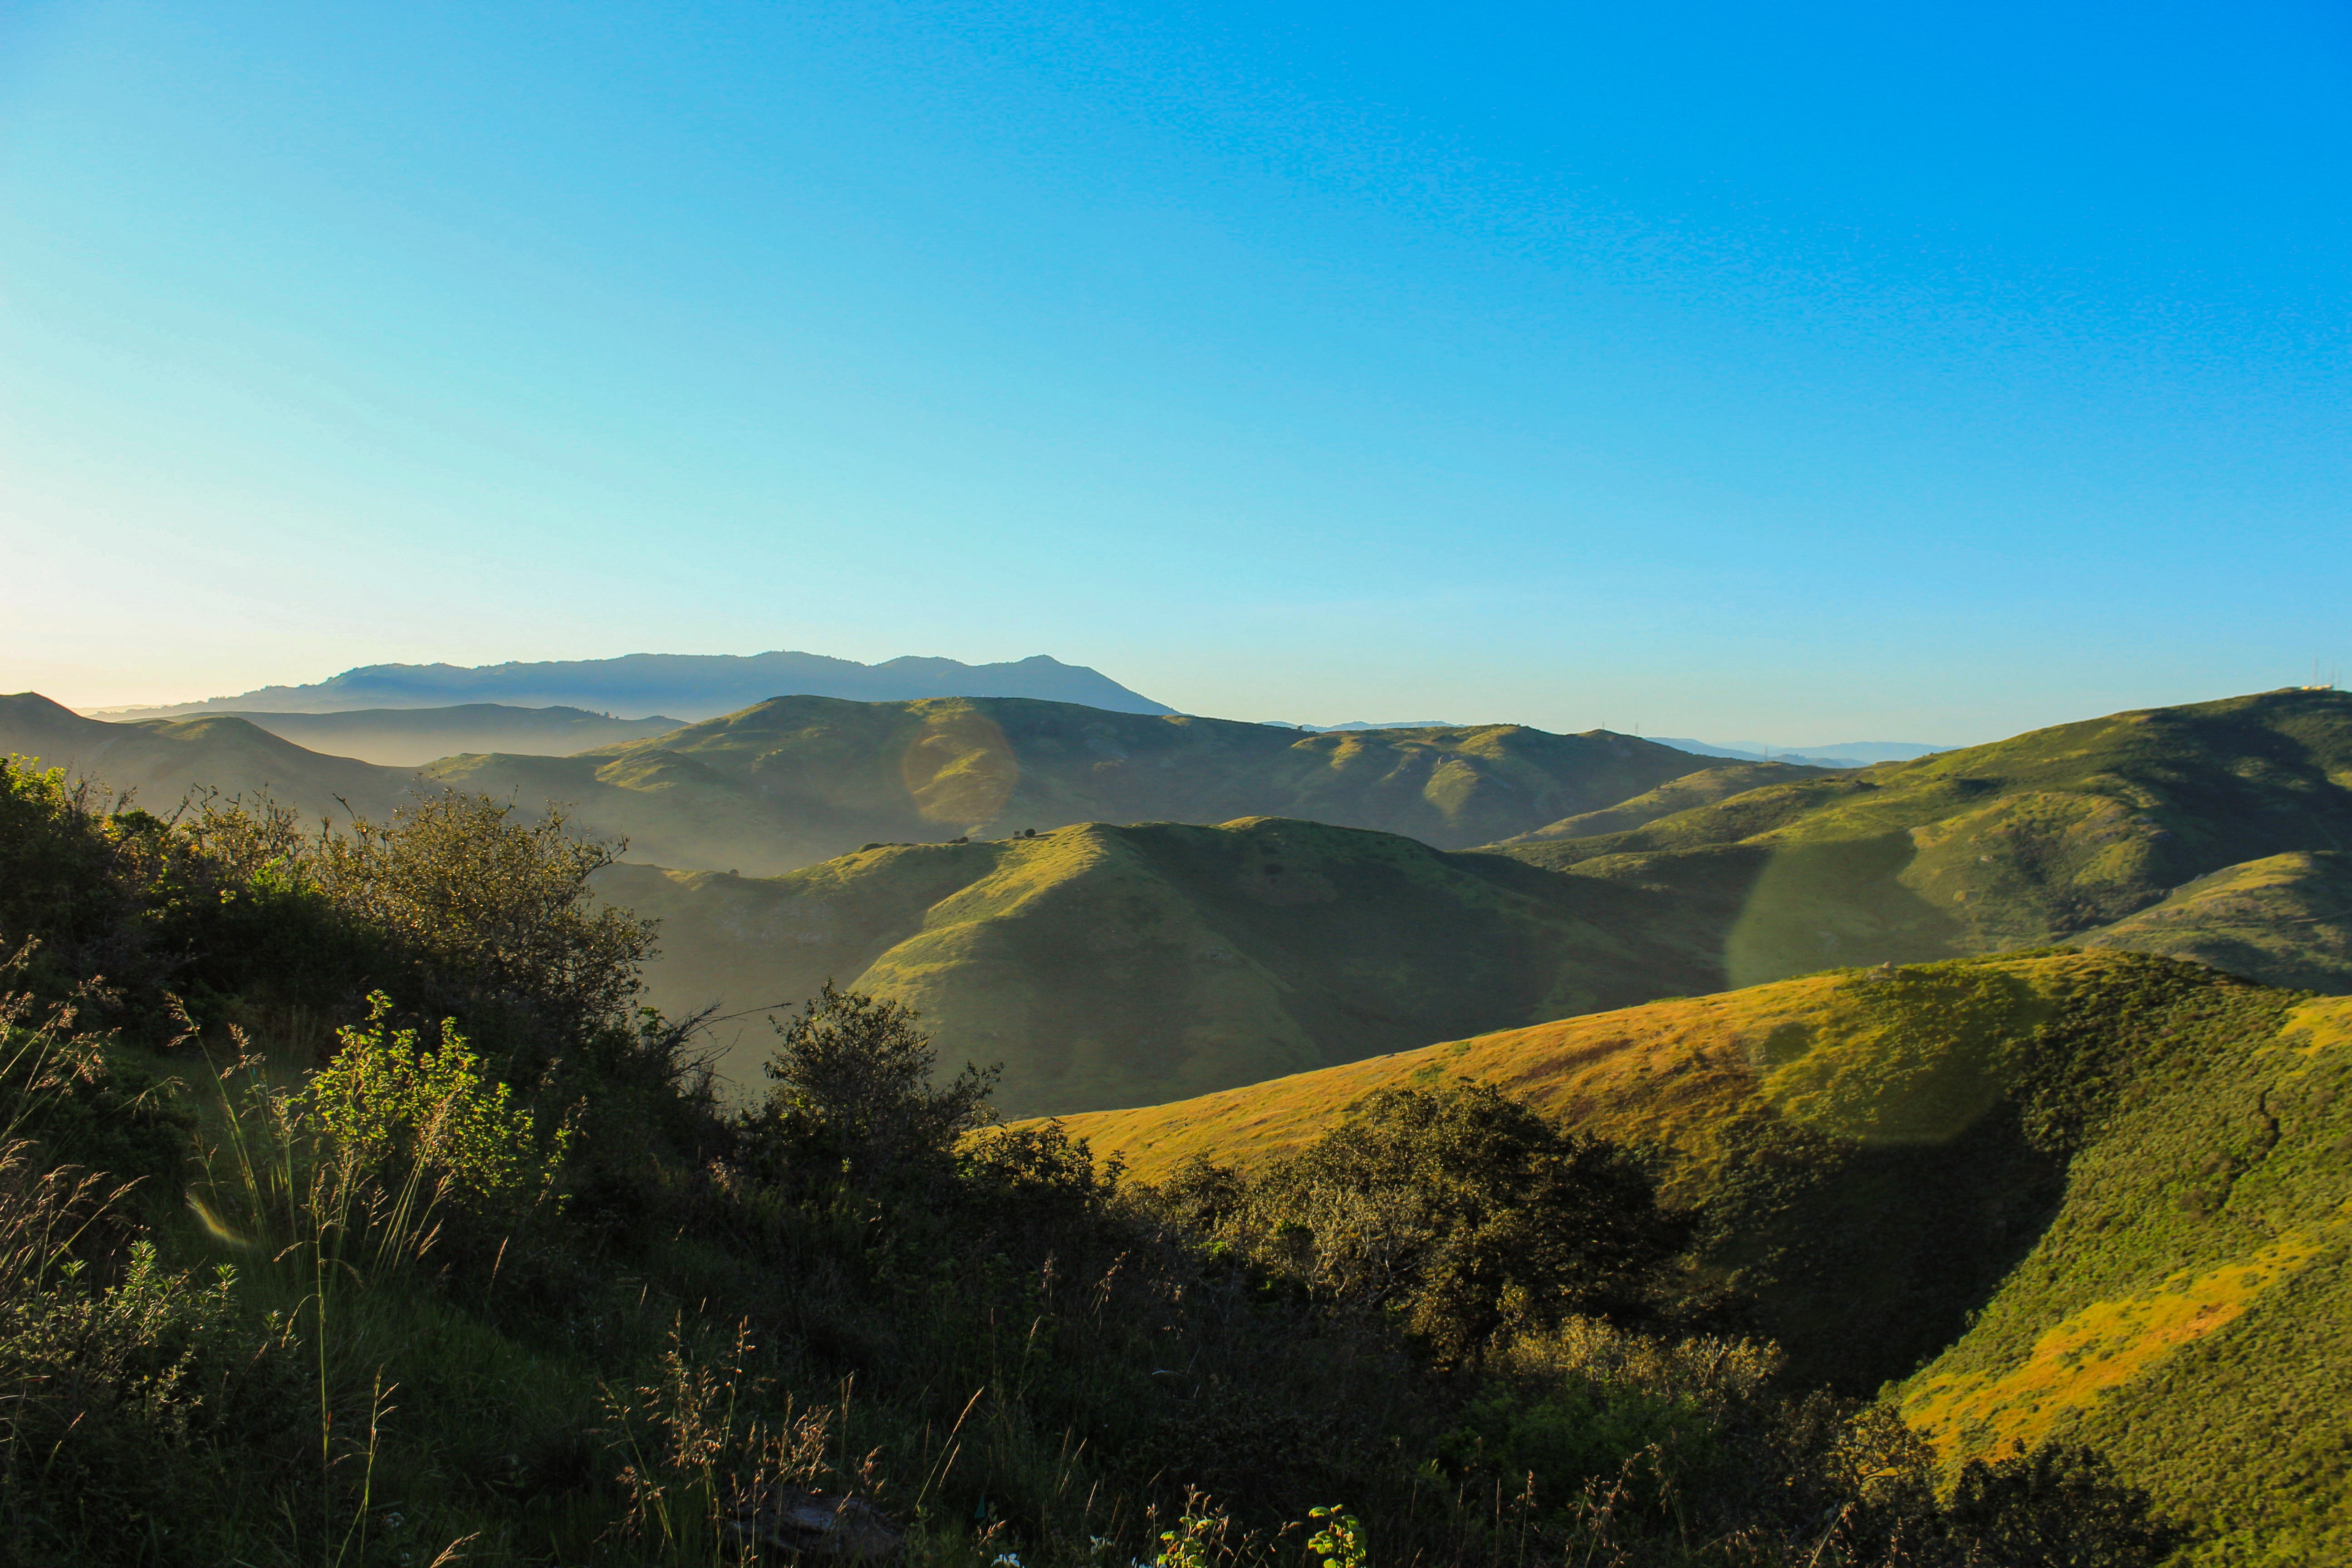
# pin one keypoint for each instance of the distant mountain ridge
(1375, 724)
(792, 781)
(163, 760)
(694, 686)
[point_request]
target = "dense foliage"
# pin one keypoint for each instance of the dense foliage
(349, 1215)
(1464, 1214)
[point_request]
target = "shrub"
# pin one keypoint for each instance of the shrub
(394, 1108)
(1035, 1188)
(357, 1171)
(853, 1094)
(493, 915)
(2060, 1506)
(1464, 1212)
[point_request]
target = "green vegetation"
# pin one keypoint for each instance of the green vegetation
(164, 760)
(1684, 793)
(2065, 1198)
(1130, 967)
(800, 779)
(795, 780)
(1120, 965)
(295, 1272)
(1127, 965)
(2078, 833)
(1461, 1212)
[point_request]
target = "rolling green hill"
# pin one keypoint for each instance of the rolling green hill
(2095, 833)
(2077, 1196)
(796, 779)
(1684, 793)
(162, 760)
(1113, 966)
(800, 779)
(2110, 831)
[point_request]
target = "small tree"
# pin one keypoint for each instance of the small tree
(1464, 1211)
(854, 1091)
(2063, 1505)
(495, 914)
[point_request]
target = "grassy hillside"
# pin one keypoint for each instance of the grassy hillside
(1111, 965)
(2189, 1308)
(162, 759)
(2101, 1195)
(797, 780)
(1684, 793)
(800, 779)
(2285, 918)
(1082, 961)
(2064, 833)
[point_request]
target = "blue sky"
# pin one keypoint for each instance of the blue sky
(1803, 372)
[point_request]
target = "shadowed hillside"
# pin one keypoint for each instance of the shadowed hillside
(2087, 832)
(162, 760)
(2058, 835)
(1109, 965)
(802, 779)
(2101, 1195)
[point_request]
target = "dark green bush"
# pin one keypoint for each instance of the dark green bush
(1464, 1212)
(854, 1096)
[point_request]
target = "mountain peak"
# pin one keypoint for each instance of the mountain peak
(691, 686)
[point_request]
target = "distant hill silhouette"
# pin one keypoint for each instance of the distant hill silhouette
(1842, 755)
(786, 782)
(694, 686)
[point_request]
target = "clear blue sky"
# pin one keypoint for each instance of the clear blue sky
(1803, 371)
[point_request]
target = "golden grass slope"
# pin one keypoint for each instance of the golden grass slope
(2188, 1309)
(1816, 1050)
(2080, 1194)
